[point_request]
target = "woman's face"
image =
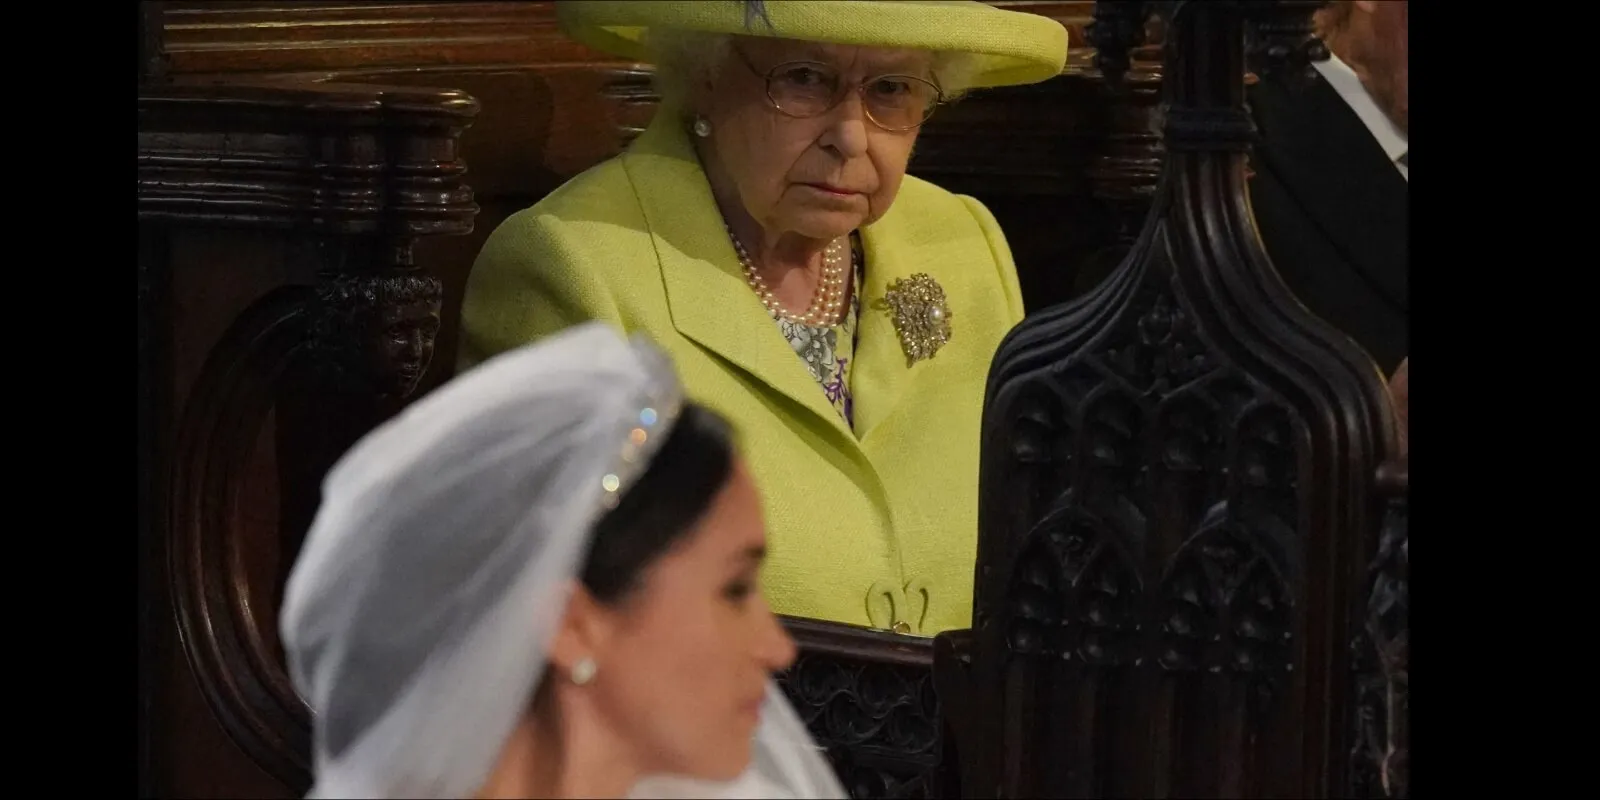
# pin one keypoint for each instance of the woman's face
(684, 665)
(819, 177)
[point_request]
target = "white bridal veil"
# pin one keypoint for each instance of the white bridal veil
(417, 616)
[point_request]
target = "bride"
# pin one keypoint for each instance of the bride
(541, 581)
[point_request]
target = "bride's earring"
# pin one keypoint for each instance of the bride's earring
(702, 127)
(583, 671)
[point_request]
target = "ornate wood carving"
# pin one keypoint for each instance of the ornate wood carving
(543, 119)
(1381, 756)
(350, 177)
(1176, 493)
(868, 698)
(375, 333)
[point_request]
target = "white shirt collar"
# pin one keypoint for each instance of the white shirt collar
(1344, 80)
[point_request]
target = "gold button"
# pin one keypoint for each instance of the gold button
(901, 627)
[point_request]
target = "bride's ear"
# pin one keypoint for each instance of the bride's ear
(582, 635)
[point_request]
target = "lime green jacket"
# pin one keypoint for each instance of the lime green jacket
(876, 526)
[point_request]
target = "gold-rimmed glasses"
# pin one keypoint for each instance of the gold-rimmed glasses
(804, 89)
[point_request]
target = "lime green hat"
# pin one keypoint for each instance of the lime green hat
(1009, 47)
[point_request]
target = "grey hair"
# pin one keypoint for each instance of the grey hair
(684, 58)
(753, 9)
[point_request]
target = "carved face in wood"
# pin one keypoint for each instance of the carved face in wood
(683, 660)
(378, 332)
(821, 176)
(404, 337)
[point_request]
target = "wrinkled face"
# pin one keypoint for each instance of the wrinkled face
(685, 666)
(823, 176)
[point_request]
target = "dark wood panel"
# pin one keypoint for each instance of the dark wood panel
(282, 316)
(284, 37)
(1182, 586)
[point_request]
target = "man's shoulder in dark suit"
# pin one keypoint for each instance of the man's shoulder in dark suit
(1332, 211)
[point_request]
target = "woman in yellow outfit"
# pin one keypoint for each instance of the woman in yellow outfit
(764, 233)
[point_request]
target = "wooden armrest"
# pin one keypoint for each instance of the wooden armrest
(841, 640)
(868, 698)
(334, 158)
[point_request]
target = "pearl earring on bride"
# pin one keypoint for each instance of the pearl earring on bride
(702, 127)
(583, 671)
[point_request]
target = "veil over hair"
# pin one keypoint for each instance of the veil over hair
(418, 614)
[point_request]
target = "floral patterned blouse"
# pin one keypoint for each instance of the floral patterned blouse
(828, 350)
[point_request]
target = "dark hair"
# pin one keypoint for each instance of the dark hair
(672, 495)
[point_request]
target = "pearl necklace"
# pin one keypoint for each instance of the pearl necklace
(829, 296)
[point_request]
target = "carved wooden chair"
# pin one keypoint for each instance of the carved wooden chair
(281, 315)
(1192, 556)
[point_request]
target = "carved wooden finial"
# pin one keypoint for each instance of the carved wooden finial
(1281, 36)
(1118, 28)
(1176, 484)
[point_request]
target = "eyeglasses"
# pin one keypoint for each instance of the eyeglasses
(804, 89)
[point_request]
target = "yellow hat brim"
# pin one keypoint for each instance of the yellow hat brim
(1010, 47)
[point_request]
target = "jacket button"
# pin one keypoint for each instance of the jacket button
(902, 628)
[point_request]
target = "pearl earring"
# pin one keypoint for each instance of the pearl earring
(583, 671)
(702, 127)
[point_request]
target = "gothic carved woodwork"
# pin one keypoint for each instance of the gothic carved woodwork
(1381, 651)
(543, 116)
(1177, 496)
(868, 698)
(322, 192)
(376, 332)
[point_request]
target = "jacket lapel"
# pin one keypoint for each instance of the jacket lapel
(880, 375)
(1341, 177)
(707, 295)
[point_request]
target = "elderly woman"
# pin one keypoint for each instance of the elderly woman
(763, 231)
